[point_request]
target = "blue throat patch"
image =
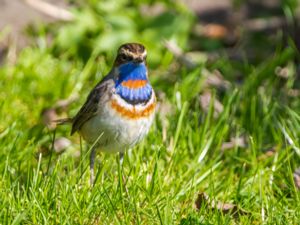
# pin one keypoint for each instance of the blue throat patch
(133, 72)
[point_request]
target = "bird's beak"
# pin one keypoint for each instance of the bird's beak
(138, 60)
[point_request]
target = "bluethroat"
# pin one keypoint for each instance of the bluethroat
(120, 109)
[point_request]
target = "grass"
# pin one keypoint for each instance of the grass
(181, 157)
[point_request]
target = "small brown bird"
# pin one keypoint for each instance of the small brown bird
(120, 109)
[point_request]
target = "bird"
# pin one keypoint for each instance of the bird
(120, 109)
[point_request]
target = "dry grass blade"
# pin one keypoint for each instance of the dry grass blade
(203, 200)
(179, 54)
(234, 142)
(267, 154)
(214, 79)
(49, 115)
(61, 144)
(205, 100)
(261, 24)
(293, 93)
(51, 10)
(164, 109)
(64, 103)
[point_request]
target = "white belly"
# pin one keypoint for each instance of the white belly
(114, 132)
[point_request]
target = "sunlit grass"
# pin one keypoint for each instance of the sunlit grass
(182, 156)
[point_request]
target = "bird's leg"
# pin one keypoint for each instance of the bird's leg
(121, 158)
(92, 162)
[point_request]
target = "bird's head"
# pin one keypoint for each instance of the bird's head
(130, 63)
(131, 53)
(131, 76)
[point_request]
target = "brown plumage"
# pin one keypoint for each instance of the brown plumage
(103, 90)
(98, 96)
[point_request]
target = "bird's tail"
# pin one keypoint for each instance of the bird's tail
(63, 121)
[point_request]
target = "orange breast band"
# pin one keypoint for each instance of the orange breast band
(133, 113)
(134, 84)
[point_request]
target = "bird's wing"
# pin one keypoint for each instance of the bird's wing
(100, 94)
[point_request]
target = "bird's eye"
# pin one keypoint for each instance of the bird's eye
(123, 57)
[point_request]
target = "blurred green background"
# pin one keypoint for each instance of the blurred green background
(226, 74)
